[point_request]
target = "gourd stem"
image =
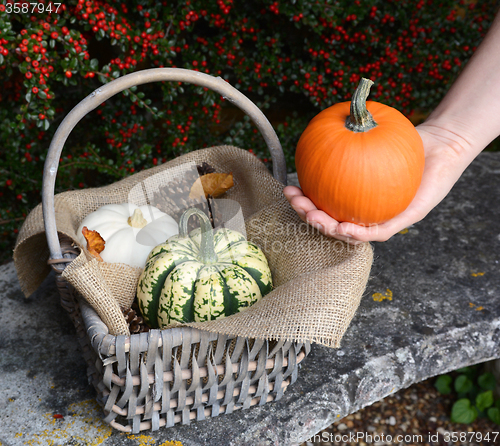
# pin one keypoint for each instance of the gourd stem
(360, 119)
(137, 220)
(207, 245)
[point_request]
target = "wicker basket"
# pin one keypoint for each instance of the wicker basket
(166, 377)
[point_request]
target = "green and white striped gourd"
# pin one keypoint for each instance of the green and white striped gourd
(201, 276)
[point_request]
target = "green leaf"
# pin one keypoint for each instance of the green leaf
(487, 381)
(443, 384)
(494, 414)
(463, 384)
(484, 400)
(463, 412)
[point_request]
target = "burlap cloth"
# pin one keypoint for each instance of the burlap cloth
(318, 281)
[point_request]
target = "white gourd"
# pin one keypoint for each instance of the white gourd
(130, 232)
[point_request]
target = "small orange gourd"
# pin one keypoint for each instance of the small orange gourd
(359, 161)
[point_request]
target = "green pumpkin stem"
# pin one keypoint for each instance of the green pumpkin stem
(207, 245)
(360, 119)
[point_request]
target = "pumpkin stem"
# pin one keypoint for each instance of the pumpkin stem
(360, 119)
(137, 220)
(207, 245)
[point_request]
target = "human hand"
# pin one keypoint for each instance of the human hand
(446, 157)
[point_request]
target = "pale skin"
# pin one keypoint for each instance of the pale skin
(461, 126)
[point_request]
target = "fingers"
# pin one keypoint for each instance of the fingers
(345, 231)
(380, 232)
(291, 191)
(318, 219)
(350, 232)
(300, 203)
(372, 233)
(327, 225)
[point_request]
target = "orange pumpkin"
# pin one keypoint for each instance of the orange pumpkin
(360, 161)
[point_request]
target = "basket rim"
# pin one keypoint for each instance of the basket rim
(105, 343)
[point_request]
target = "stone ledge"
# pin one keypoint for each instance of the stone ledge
(442, 312)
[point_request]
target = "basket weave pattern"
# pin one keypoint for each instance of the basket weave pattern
(166, 377)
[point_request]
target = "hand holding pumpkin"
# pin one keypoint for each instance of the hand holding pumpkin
(443, 167)
(358, 162)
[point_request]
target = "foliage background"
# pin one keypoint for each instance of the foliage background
(292, 58)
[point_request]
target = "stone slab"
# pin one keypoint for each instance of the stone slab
(432, 305)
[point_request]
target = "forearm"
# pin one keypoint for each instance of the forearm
(470, 112)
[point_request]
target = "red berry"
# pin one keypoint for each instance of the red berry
(34, 90)
(68, 74)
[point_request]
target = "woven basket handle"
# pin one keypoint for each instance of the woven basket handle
(103, 93)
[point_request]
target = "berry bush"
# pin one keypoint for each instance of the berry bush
(292, 58)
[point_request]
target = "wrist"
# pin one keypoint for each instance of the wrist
(466, 140)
